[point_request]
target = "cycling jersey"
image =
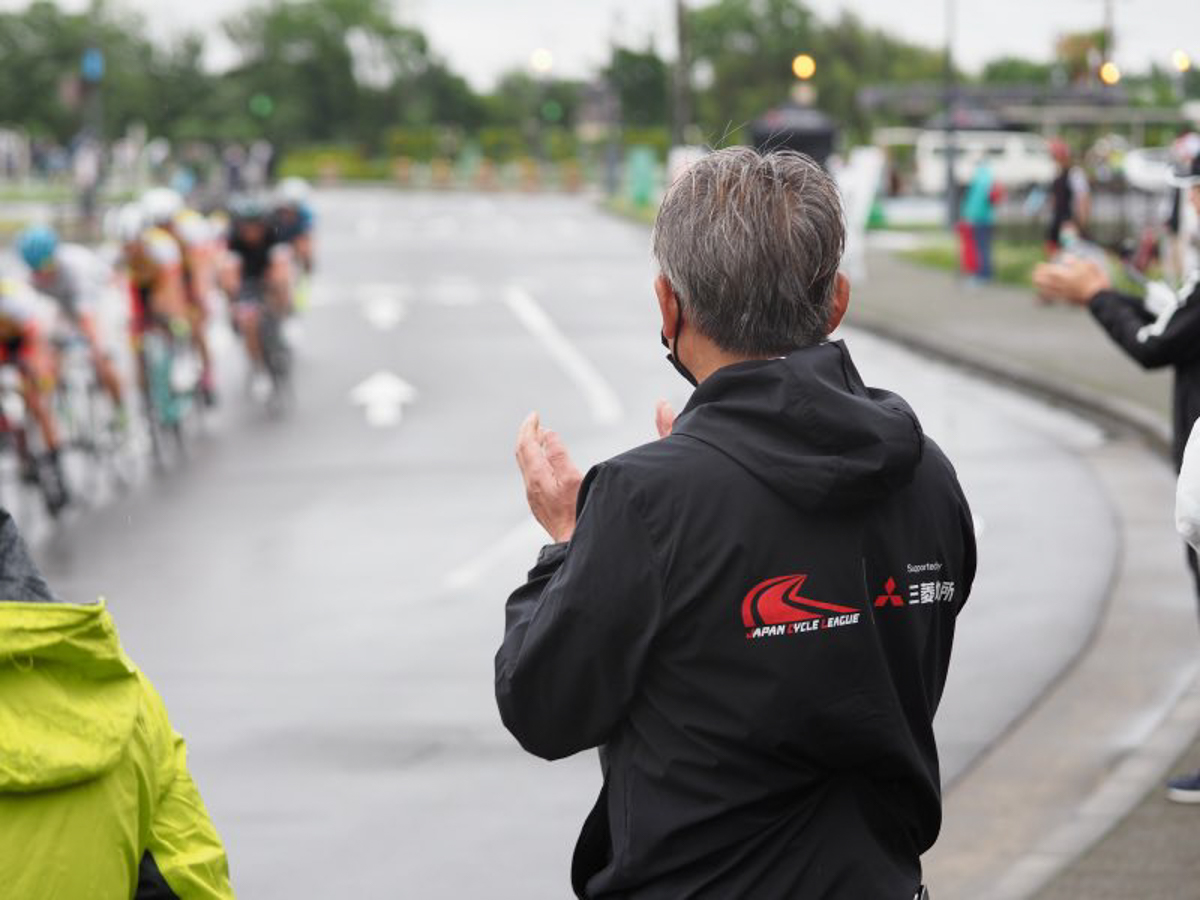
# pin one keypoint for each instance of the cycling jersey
(256, 258)
(294, 226)
(18, 305)
(74, 281)
(192, 229)
(22, 316)
(155, 251)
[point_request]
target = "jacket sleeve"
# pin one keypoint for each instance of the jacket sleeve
(578, 631)
(1187, 491)
(1176, 340)
(184, 857)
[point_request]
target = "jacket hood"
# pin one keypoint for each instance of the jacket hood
(807, 427)
(69, 697)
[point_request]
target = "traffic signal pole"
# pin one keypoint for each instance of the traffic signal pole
(681, 108)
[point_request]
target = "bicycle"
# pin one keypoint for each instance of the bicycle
(36, 470)
(86, 414)
(171, 386)
(277, 358)
(274, 344)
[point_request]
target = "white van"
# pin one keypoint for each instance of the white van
(1019, 159)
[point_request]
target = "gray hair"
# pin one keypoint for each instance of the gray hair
(751, 245)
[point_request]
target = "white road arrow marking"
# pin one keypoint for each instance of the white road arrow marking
(382, 397)
(384, 311)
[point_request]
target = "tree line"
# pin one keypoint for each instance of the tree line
(347, 71)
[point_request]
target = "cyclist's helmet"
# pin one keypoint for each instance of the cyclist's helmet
(294, 192)
(160, 205)
(248, 208)
(37, 245)
(130, 223)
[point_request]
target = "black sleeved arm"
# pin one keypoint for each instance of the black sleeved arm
(1124, 317)
(578, 631)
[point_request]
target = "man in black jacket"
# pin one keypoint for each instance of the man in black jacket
(751, 617)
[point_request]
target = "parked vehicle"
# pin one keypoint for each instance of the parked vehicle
(1019, 159)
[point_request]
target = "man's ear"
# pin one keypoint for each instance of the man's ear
(668, 305)
(841, 300)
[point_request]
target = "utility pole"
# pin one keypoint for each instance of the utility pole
(951, 187)
(1109, 38)
(681, 108)
(88, 159)
(613, 116)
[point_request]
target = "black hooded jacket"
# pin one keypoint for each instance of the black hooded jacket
(753, 621)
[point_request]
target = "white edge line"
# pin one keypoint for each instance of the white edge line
(605, 406)
(472, 573)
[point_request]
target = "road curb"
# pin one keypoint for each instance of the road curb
(1109, 412)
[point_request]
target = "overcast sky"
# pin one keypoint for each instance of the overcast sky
(482, 38)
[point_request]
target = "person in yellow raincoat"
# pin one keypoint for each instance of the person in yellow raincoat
(96, 802)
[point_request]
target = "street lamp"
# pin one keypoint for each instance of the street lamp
(541, 61)
(803, 92)
(804, 67)
(1110, 74)
(1182, 64)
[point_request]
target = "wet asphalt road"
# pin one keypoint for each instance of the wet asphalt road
(319, 598)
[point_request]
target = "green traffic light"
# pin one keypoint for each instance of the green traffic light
(262, 106)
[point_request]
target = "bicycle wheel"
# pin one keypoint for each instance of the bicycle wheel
(163, 412)
(277, 357)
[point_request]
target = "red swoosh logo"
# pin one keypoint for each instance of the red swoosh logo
(777, 601)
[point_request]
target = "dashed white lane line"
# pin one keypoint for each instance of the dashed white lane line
(384, 311)
(601, 398)
(454, 290)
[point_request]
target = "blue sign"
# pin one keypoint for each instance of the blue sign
(92, 66)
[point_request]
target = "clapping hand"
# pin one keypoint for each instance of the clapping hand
(1074, 280)
(551, 479)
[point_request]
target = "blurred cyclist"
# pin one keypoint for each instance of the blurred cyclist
(165, 209)
(23, 344)
(157, 293)
(258, 274)
(73, 276)
(294, 219)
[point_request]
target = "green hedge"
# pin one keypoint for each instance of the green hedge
(423, 144)
(336, 160)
